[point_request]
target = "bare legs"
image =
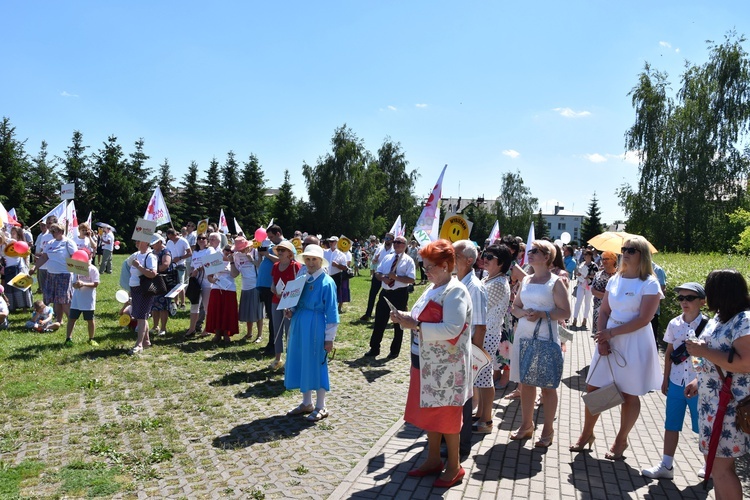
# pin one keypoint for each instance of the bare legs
(549, 399)
(631, 409)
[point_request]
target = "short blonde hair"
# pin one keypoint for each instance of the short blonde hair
(547, 248)
(645, 269)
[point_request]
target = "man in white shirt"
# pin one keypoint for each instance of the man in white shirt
(395, 273)
(181, 251)
(41, 242)
(336, 265)
(375, 284)
(108, 245)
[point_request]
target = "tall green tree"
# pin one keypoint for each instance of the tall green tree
(592, 223)
(482, 220)
(190, 200)
(212, 191)
(42, 185)
(342, 188)
(252, 196)
(395, 195)
(515, 206)
(113, 188)
(14, 163)
(140, 178)
(76, 169)
(285, 206)
(692, 160)
(540, 226)
(166, 182)
(230, 184)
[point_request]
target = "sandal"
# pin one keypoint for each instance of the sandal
(301, 409)
(513, 395)
(317, 414)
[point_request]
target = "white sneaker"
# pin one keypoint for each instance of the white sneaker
(658, 472)
(702, 472)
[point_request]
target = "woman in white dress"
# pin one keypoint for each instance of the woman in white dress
(624, 330)
(542, 297)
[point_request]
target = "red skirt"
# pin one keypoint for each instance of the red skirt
(222, 312)
(442, 419)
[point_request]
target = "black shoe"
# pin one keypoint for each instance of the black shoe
(392, 356)
(371, 354)
(364, 317)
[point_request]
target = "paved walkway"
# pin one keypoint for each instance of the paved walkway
(500, 468)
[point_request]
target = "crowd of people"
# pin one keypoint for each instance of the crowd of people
(512, 304)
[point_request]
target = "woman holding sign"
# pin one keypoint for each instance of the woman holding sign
(314, 322)
(221, 316)
(440, 352)
(283, 271)
(142, 263)
(14, 265)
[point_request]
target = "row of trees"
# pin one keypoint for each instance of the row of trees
(349, 189)
(694, 153)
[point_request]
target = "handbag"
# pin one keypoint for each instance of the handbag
(170, 278)
(193, 290)
(541, 361)
(153, 286)
(604, 398)
(742, 417)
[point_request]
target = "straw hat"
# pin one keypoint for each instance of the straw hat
(312, 251)
(286, 244)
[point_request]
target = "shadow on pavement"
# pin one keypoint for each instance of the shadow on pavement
(264, 430)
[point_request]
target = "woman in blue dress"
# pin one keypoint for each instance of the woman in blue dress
(315, 320)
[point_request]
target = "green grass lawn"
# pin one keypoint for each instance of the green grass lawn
(121, 416)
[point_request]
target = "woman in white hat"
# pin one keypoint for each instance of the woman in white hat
(314, 322)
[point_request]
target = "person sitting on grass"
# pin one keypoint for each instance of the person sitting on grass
(43, 318)
(83, 302)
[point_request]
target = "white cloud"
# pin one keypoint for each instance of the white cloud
(569, 113)
(421, 105)
(392, 108)
(631, 157)
(677, 50)
(595, 158)
(666, 44)
(512, 153)
(65, 93)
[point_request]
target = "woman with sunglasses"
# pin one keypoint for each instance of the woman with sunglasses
(314, 322)
(543, 297)
(440, 377)
(200, 252)
(624, 332)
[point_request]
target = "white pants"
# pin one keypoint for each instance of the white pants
(583, 295)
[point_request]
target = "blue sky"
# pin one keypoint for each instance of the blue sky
(485, 87)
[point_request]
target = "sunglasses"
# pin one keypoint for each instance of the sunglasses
(534, 251)
(202, 237)
(689, 298)
(629, 250)
(488, 256)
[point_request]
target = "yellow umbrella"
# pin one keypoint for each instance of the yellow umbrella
(613, 241)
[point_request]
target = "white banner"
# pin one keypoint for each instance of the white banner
(157, 209)
(144, 230)
(428, 221)
(223, 227)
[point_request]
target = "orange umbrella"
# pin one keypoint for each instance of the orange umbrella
(613, 241)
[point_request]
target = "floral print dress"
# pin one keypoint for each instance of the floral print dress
(717, 335)
(600, 285)
(498, 308)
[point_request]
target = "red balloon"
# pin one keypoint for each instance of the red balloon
(117, 243)
(260, 234)
(80, 255)
(21, 247)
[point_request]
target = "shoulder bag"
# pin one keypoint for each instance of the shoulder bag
(541, 361)
(152, 286)
(604, 398)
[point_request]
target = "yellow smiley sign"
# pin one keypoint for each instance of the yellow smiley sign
(455, 228)
(297, 242)
(124, 320)
(344, 244)
(202, 226)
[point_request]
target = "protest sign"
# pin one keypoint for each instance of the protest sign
(292, 292)
(21, 281)
(77, 266)
(68, 191)
(144, 230)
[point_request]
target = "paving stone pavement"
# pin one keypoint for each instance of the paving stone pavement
(500, 468)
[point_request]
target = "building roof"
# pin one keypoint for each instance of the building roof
(563, 213)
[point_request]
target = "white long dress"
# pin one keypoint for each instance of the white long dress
(642, 372)
(539, 297)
